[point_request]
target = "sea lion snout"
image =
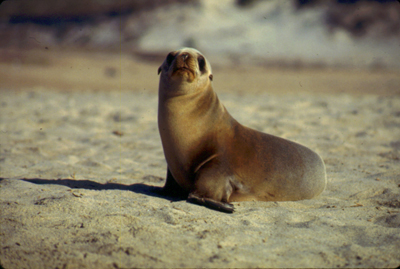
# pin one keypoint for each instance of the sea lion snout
(184, 62)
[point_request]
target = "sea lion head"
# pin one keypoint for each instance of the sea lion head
(184, 71)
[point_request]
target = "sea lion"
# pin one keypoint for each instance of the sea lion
(214, 160)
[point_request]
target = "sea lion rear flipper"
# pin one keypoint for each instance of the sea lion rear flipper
(210, 203)
(172, 188)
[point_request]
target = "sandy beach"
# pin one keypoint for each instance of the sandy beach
(81, 161)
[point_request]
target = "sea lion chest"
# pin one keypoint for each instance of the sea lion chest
(189, 127)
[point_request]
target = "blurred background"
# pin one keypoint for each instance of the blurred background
(269, 33)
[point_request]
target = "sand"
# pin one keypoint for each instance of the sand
(81, 160)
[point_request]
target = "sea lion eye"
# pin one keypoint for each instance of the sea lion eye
(170, 58)
(202, 63)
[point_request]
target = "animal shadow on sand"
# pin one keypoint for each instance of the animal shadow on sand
(92, 185)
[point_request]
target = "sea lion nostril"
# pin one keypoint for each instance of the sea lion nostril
(184, 56)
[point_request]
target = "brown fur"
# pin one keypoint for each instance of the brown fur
(213, 157)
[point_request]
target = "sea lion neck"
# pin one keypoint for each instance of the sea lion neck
(194, 102)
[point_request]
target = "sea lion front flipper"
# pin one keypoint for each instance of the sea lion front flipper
(172, 188)
(210, 203)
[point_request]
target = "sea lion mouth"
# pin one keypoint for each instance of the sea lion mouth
(180, 70)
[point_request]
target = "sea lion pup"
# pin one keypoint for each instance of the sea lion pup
(214, 160)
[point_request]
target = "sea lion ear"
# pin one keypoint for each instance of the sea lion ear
(159, 70)
(211, 77)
